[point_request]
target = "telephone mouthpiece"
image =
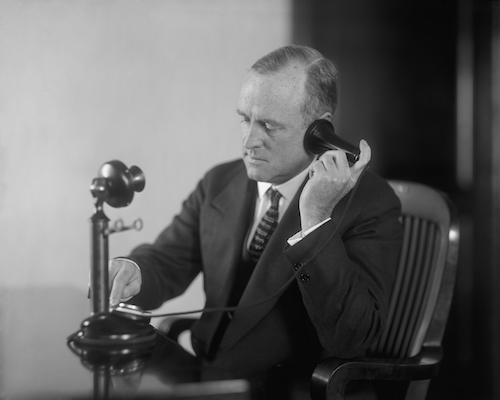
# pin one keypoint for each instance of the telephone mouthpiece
(117, 184)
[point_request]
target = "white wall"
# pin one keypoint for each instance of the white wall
(152, 83)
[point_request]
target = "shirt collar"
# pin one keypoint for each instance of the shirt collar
(287, 189)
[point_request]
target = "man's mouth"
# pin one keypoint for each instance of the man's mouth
(254, 159)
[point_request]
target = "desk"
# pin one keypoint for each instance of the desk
(37, 363)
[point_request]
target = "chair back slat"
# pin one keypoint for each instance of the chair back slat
(403, 301)
(422, 281)
(426, 224)
(380, 346)
(409, 302)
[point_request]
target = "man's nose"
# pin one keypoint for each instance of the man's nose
(252, 136)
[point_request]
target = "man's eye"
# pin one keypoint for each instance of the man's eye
(245, 120)
(269, 128)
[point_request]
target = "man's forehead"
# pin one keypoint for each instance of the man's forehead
(287, 84)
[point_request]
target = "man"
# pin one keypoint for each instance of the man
(344, 259)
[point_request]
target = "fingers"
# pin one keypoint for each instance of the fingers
(335, 162)
(365, 156)
(332, 162)
(124, 279)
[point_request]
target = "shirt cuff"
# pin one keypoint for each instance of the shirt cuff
(301, 235)
(129, 260)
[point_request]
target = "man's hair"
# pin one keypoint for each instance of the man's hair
(320, 90)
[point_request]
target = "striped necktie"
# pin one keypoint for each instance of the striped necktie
(266, 226)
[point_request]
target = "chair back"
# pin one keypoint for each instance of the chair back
(425, 278)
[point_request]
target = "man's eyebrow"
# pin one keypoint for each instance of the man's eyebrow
(269, 121)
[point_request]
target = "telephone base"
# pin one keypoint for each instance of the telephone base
(115, 329)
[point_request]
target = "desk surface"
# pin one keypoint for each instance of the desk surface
(37, 363)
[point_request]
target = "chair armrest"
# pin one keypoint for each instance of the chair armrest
(172, 327)
(331, 375)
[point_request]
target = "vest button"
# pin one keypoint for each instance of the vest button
(297, 266)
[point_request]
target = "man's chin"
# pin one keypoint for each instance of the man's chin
(255, 177)
(256, 174)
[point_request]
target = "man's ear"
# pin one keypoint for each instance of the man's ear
(328, 116)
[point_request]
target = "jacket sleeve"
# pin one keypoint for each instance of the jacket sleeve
(170, 264)
(347, 269)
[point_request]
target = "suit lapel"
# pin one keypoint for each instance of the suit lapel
(229, 221)
(225, 228)
(271, 273)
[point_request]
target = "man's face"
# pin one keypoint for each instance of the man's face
(272, 126)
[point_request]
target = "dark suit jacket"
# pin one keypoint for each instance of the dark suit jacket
(337, 303)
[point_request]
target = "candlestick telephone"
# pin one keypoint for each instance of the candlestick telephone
(127, 326)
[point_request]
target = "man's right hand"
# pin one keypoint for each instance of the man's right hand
(124, 280)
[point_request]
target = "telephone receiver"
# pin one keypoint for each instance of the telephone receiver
(321, 136)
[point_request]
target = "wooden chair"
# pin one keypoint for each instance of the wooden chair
(409, 350)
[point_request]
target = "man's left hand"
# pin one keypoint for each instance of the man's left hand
(331, 178)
